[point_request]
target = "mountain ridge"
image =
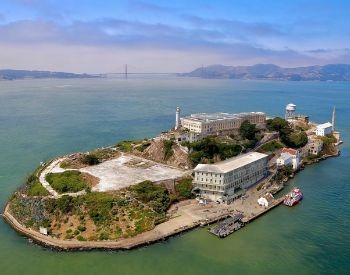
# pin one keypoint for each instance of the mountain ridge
(330, 72)
(9, 74)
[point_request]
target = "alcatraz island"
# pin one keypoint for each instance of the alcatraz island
(209, 167)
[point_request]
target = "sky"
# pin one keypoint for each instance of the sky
(101, 36)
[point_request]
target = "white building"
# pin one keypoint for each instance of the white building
(289, 157)
(225, 180)
(202, 125)
(324, 129)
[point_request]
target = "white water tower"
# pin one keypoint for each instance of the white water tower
(290, 111)
(177, 118)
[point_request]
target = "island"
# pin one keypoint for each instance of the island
(209, 167)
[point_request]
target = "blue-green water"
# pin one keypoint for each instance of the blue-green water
(40, 119)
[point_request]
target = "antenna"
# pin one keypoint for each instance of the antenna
(333, 119)
(126, 71)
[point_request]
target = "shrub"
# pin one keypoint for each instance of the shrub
(91, 159)
(156, 195)
(81, 228)
(81, 238)
(143, 146)
(183, 188)
(65, 204)
(104, 236)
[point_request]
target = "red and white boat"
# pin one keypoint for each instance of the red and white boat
(293, 197)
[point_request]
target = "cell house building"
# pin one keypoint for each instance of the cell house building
(201, 125)
(226, 180)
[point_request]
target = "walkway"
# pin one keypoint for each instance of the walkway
(54, 167)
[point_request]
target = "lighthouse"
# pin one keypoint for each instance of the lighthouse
(177, 118)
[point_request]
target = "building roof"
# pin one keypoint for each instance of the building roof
(219, 116)
(230, 164)
(324, 125)
(290, 151)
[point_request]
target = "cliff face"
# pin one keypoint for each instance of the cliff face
(156, 152)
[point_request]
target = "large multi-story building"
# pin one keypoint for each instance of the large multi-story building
(226, 180)
(201, 125)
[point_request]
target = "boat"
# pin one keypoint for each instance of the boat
(294, 197)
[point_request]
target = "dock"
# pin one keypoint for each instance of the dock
(227, 226)
(235, 222)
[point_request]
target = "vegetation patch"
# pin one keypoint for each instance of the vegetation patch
(91, 159)
(37, 190)
(127, 145)
(271, 146)
(155, 195)
(291, 138)
(168, 149)
(211, 149)
(183, 189)
(143, 146)
(68, 181)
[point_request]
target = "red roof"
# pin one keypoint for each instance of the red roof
(290, 151)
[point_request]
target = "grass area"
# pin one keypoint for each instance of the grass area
(37, 190)
(128, 145)
(68, 181)
(271, 146)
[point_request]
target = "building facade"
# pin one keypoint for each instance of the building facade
(226, 180)
(289, 157)
(324, 129)
(201, 125)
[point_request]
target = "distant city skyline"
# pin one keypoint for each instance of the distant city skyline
(162, 36)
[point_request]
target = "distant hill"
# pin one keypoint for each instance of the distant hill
(331, 72)
(25, 74)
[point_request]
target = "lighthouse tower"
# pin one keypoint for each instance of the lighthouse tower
(177, 118)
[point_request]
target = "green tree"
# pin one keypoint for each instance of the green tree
(247, 130)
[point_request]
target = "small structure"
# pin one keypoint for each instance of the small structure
(177, 118)
(226, 180)
(266, 200)
(289, 157)
(314, 146)
(43, 230)
(324, 129)
(290, 111)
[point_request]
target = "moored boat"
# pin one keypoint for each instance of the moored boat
(294, 197)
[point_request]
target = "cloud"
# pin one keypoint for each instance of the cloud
(100, 45)
(236, 26)
(43, 8)
(141, 6)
